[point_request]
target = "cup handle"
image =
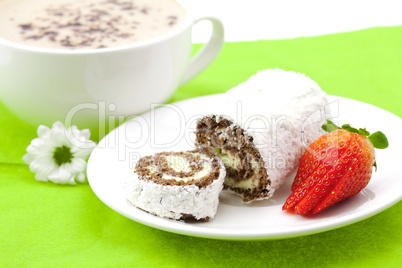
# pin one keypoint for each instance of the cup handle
(207, 52)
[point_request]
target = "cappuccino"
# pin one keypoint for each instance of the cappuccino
(86, 24)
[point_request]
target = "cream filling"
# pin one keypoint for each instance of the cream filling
(230, 160)
(250, 183)
(180, 164)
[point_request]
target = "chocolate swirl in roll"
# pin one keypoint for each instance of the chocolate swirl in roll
(178, 185)
(246, 174)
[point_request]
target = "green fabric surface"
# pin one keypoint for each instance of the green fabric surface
(48, 225)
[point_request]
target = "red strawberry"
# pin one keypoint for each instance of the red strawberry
(336, 166)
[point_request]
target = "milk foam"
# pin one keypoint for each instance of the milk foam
(86, 24)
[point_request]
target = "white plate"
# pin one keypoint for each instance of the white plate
(169, 128)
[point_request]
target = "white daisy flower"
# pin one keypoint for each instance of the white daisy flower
(59, 154)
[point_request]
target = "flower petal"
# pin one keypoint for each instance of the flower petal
(42, 163)
(77, 165)
(37, 146)
(86, 133)
(41, 176)
(28, 158)
(81, 177)
(81, 153)
(57, 138)
(77, 139)
(61, 175)
(58, 126)
(42, 131)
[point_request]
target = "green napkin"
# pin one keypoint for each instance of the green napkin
(48, 225)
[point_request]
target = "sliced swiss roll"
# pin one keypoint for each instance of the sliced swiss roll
(269, 121)
(178, 185)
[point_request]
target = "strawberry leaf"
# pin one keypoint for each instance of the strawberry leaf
(329, 126)
(363, 132)
(379, 140)
(349, 128)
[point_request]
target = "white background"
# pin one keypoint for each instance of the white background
(281, 19)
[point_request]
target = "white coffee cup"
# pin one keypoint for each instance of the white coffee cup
(85, 87)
